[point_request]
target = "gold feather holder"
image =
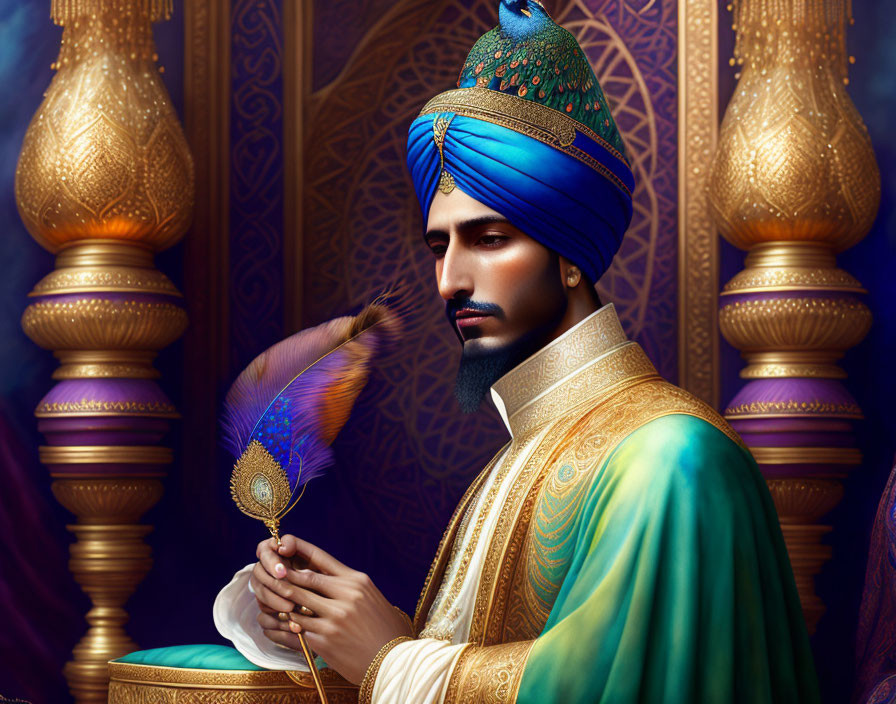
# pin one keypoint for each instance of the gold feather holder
(260, 487)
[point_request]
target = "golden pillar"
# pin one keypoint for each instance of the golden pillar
(105, 180)
(793, 183)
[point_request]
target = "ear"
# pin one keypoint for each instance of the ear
(570, 274)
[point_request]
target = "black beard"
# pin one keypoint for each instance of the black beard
(480, 369)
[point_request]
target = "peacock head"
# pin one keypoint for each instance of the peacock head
(519, 19)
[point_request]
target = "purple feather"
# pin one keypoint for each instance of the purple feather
(256, 388)
(296, 396)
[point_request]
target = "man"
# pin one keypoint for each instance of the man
(622, 547)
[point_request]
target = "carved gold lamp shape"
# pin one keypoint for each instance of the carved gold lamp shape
(105, 180)
(794, 182)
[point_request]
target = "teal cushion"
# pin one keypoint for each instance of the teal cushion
(197, 657)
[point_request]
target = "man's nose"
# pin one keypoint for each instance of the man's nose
(455, 275)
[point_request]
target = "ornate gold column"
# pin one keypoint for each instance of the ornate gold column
(794, 182)
(105, 180)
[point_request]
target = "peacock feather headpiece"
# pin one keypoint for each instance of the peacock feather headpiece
(529, 56)
(284, 411)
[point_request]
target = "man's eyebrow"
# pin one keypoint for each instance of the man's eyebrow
(466, 226)
(474, 223)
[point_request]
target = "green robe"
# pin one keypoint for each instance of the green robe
(679, 587)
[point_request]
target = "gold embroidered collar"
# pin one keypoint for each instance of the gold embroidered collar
(587, 360)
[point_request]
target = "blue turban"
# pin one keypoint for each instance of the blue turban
(563, 186)
(529, 133)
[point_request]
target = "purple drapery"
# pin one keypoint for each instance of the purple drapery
(43, 610)
(876, 639)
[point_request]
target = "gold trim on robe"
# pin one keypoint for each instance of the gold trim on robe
(488, 675)
(590, 388)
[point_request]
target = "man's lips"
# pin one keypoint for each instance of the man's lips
(467, 318)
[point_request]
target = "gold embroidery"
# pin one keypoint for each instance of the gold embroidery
(440, 132)
(621, 366)
(548, 545)
(94, 407)
(583, 441)
(572, 383)
(437, 568)
(447, 608)
(365, 694)
(763, 409)
(538, 121)
(553, 124)
(139, 684)
(488, 675)
(597, 334)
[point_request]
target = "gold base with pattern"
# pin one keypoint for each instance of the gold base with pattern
(150, 684)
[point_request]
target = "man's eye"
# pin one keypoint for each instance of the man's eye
(438, 249)
(492, 240)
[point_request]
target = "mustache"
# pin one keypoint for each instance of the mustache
(458, 304)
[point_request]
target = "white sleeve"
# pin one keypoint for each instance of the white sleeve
(235, 613)
(416, 671)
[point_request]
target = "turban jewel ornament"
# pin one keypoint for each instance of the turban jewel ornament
(284, 411)
(528, 132)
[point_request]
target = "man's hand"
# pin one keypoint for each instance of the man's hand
(352, 620)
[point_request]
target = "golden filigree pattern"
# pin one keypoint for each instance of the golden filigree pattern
(795, 162)
(620, 366)
(795, 322)
(446, 608)
(762, 280)
(766, 409)
(259, 485)
(105, 156)
(523, 116)
(440, 132)
(112, 279)
(250, 680)
(578, 440)
(93, 407)
(549, 540)
(433, 580)
(571, 351)
(489, 675)
(132, 693)
(103, 324)
(698, 265)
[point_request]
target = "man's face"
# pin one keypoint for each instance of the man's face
(504, 293)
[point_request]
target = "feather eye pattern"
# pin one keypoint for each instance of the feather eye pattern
(283, 412)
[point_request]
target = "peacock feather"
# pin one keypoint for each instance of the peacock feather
(530, 56)
(284, 411)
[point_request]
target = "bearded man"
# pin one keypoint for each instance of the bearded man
(622, 547)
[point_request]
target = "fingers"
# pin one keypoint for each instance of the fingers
(311, 624)
(315, 558)
(318, 592)
(265, 608)
(270, 622)
(278, 586)
(320, 605)
(290, 640)
(273, 602)
(323, 584)
(269, 558)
